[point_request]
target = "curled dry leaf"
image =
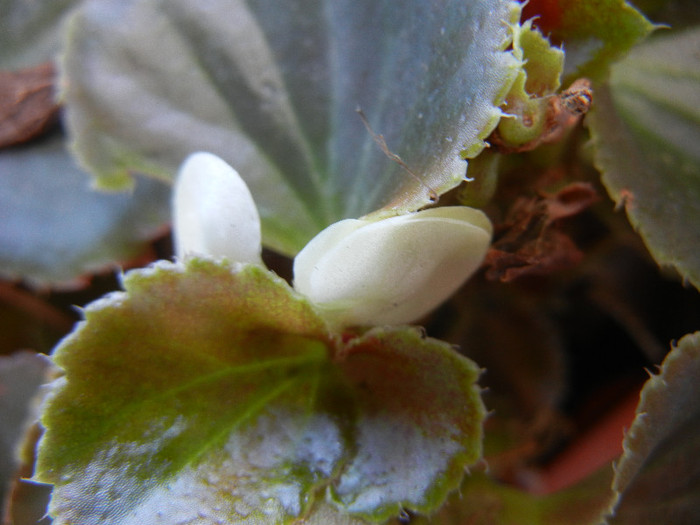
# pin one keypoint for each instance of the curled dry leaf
(530, 241)
(27, 103)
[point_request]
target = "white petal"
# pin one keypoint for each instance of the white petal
(214, 212)
(306, 262)
(394, 270)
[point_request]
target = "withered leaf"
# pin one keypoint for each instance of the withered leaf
(531, 242)
(27, 103)
(569, 201)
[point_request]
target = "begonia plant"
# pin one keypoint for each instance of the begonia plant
(349, 262)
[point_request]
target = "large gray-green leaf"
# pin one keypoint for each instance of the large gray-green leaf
(646, 130)
(55, 228)
(658, 477)
(30, 31)
(273, 88)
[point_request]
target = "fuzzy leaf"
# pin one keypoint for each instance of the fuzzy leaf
(400, 380)
(205, 393)
(30, 31)
(646, 131)
(273, 89)
(55, 228)
(483, 501)
(527, 100)
(21, 375)
(657, 477)
(595, 33)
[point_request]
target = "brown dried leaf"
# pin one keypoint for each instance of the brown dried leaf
(530, 241)
(27, 103)
(552, 251)
(569, 201)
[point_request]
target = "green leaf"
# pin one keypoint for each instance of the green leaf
(203, 392)
(21, 375)
(327, 514)
(528, 98)
(55, 228)
(645, 128)
(678, 14)
(30, 31)
(406, 386)
(273, 89)
(594, 33)
(657, 477)
(484, 501)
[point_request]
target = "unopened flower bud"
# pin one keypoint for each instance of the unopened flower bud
(214, 212)
(394, 270)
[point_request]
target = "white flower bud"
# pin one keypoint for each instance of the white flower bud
(214, 212)
(395, 270)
